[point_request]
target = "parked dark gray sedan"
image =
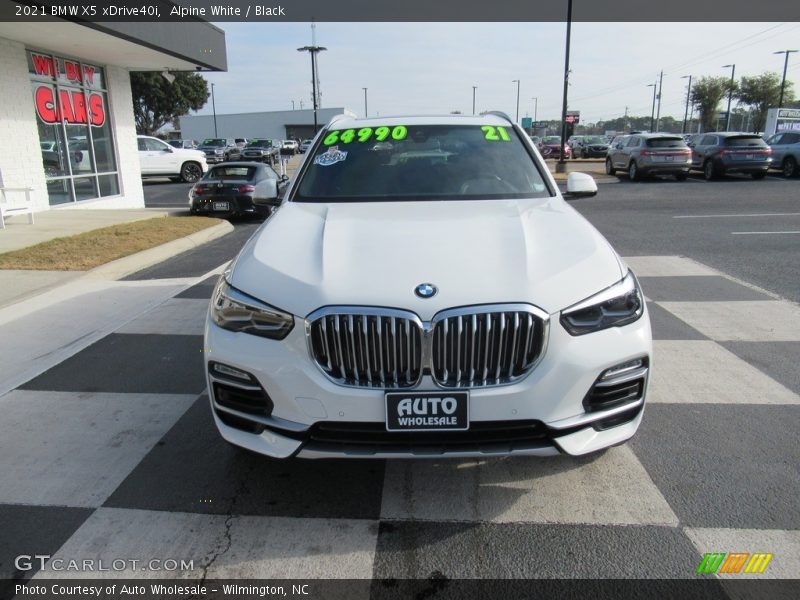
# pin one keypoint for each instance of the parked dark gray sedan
(722, 152)
(237, 189)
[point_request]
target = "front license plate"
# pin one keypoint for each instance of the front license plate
(221, 206)
(427, 411)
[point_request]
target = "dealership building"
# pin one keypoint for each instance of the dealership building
(66, 111)
(281, 124)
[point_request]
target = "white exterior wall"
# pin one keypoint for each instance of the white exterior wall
(21, 157)
(20, 154)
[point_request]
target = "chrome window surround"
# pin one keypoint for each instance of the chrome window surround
(427, 330)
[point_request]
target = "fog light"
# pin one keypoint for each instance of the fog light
(622, 369)
(230, 372)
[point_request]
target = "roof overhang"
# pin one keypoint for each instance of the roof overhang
(184, 46)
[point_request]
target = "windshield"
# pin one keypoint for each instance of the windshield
(259, 144)
(231, 173)
(596, 140)
(421, 162)
(666, 143)
(749, 140)
(551, 139)
(214, 142)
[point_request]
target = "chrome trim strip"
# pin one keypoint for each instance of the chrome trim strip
(271, 422)
(589, 418)
(354, 453)
(236, 384)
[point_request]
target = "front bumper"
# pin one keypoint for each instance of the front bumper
(309, 416)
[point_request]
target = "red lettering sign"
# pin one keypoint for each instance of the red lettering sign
(73, 71)
(88, 73)
(43, 65)
(73, 107)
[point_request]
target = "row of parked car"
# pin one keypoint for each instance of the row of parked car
(225, 149)
(714, 154)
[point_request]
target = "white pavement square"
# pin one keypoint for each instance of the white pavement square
(783, 545)
(746, 321)
(74, 449)
(666, 266)
(704, 372)
(527, 490)
(177, 316)
(224, 546)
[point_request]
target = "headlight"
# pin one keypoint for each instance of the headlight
(618, 305)
(235, 311)
(218, 151)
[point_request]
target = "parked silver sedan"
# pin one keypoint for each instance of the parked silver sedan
(647, 154)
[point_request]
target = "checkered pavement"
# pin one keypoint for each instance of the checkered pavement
(113, 453)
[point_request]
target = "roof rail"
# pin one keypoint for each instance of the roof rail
(338, 117)
(498, 113)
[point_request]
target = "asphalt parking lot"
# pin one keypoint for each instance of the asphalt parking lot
(715, 466)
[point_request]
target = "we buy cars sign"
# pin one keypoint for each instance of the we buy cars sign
(74, 106)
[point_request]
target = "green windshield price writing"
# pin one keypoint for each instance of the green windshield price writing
(495, 134)
(365, 134)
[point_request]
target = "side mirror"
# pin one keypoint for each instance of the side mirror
(580, 185)
(618, 146)
(168, 149)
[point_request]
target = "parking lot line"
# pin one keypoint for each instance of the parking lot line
(794, 214)
(762, 232)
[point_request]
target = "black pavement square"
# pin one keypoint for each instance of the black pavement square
(192, 469)
(130, 363)
(454, 550)
(667, 326)
(722, 465)
(779, 360)
(32, 530)
(202, 290)
(710, 288)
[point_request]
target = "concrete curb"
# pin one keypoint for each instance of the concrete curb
(127, 265)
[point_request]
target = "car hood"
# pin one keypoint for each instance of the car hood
(310, 255)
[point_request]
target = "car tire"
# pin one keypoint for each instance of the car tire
(633, 171)
(789, 167)
(758, 175)
(709, 172)
(610, 170)
(681, 176)
(191, 172)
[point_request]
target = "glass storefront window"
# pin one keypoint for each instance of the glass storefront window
(75, 133)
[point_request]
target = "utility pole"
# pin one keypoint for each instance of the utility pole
(214, 108)
(785, 64)
(561, 165)
(366, 114)
(474, 87)
(517, 82)
(653, 111)
(688, 95)
(313, 50)
(625, 121)
(660, 87)
(535, 108)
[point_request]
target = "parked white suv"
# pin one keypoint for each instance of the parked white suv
(159, 159)
(425, 291)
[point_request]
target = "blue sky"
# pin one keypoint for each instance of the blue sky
(412, 68)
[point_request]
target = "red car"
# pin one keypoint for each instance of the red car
(550, 147)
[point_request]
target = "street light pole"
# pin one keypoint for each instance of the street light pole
(785, 64)
(214, 109)
(366, 114)
(517, 82)
(561, 165)
(535, 108)
(730, 95)
(688, 95)
(474, 87)
(313, 50)
(653, 111)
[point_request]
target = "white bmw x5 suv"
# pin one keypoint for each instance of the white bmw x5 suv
(423, 291)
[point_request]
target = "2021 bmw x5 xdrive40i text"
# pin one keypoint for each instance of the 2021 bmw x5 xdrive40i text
(425, 290)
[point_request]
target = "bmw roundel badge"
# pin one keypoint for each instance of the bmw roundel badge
(425, 290)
